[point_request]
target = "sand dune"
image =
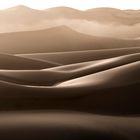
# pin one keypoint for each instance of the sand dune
(20, 15)
(62, 73)
(117, 24)
(107, 79)
(130, 74)
(8, 61)
(114, 15)
(84, 72)
(97, 14)
(81, 56)
(66, 39)
(76, 86)
(68, 125)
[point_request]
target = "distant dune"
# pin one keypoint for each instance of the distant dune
(97, 14)
(115, 15)
(65, 38)
(107, 22)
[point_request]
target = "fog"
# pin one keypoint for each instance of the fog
(87, 27)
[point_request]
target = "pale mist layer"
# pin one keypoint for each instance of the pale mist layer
(106, 22)
(88, 27)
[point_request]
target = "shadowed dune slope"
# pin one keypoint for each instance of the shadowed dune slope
(127, 74)
(67, 126)
(12, 62)
(59, 74)
(65, 38)
(114, 91)
(115, 77)
(108, 86)
(82, 56)
(97, 81)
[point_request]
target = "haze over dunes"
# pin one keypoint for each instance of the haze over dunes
(106, 22)
(78, 70)
(66, 39)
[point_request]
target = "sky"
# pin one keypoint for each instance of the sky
(78, 4)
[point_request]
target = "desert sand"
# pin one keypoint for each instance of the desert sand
(66, 39)
(111, 83)
(67, 125)
(90, 93)
(64, 82)
(106, 22)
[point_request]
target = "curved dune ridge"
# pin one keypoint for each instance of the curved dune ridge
(106, 80)
(62, 73)
(126, 74)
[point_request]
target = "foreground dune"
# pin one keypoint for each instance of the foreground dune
(53, 76)
(108, 86)
(105, 82)
(116, 77)
(67, 126)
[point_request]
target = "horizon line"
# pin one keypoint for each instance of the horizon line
(64, 6)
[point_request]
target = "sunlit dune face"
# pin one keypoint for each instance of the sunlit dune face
(79, 4)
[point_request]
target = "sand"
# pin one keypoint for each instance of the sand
(59, 83)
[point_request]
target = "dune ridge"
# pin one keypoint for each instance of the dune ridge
(127, 70)
(58, 74)
(111, 83)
